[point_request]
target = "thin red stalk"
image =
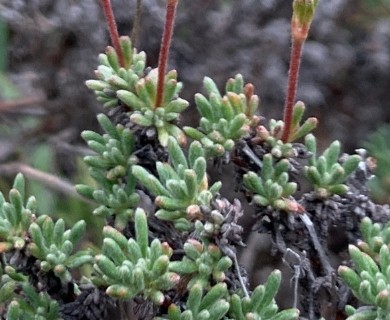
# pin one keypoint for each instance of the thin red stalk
(112, 29)
(293, 74)
(299, 34)
(164, 49)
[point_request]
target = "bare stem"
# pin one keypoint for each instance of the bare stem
(164, 49)
(112, 29)
(293, 74)
(51, 181)
(136, 23)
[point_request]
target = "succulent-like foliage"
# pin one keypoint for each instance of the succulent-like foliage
(200, 305)
(112, 77)
(181, 183)
(132, 267)
(260, 305)
(374, 236)
(273, 136)
(145, 111)
(111, 168)
(202, 261)
(326, 173)
(272, 188)
(370, 279)
(225, 119)
(133, 86)
(54, 246)
(22, 299)
(15, 217)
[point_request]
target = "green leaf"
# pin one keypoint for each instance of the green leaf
(108, 126)
(176, 154)
(149, 181)
(211, 87)
(141, 231)
(194, 298)
(271, 288)
(216, 292)
(350, 165)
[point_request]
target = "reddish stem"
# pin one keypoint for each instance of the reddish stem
(112, 29)
(164, 49)
(299, 34)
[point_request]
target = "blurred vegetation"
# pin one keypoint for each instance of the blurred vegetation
(378, 147)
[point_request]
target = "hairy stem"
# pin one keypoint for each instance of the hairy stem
(164, 49)
(293, 74)
(112, 29)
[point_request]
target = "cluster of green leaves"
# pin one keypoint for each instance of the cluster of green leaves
(216, 303)
(113, 77)
(272, 188)
(15, 217)
(200, 305)
(203, 262)
(272, 136)
(260, 305)
(111, 168)
(22, 299)
(224, 119)
(136, 88)
(370, 278)
(181, 183)
(53, 246)
(325, 173)
(147, 113)
(130, 267)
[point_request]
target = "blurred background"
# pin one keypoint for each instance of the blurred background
(49, 48)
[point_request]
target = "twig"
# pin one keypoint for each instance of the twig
(51, 181)
(15, 105)
(240, 276)
(317, 245)
(251, 155)
(294, 261)
(136, 23)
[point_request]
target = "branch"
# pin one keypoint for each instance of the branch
(51, 181)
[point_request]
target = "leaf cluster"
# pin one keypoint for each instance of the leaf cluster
(272, 137)
(53, 246)
(272, 188)
(224, 119)
(15, 217)
(180, 184)
(111, 168)
(260, 305)
(326, 173)
(111, 77)
(23, 301)
(201, 305)
(369, 280)
(203, 262)
(130, 267)
(136, 88)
